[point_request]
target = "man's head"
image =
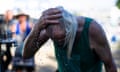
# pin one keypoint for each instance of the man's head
(64, 33)
(56, 32)
(8, 15)
(22, 17)
(65, 30)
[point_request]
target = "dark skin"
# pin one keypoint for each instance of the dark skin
(39, 35)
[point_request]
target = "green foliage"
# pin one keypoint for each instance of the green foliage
(118, 4)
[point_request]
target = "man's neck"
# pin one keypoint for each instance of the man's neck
(7, 21)
(22, 22)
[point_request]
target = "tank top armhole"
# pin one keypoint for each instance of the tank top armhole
(87, 22)
(85, 31)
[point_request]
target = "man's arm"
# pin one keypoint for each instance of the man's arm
(38, 35)
(33, 42)
(101, 46)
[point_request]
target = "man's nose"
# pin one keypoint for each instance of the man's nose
(58, 34)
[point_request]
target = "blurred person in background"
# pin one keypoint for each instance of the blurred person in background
(90, 48)
(21, 30)
(9, 17)
(8, 22)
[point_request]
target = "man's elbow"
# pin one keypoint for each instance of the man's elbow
(110, 66)
(26, 54)
(113, 69)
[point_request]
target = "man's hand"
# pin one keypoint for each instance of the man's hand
(50, 16)
(38, 35)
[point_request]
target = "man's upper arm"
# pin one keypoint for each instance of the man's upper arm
(101, 45)
(33, 42)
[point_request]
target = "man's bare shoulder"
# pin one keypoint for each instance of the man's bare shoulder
(96, 29)
(94, 26)
(81, 20)
(97, 35)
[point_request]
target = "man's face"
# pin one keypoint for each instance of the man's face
(22, 18)
(9, 15)
(57, 33)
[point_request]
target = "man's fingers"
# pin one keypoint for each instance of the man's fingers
(52, 11)
(56, 16)
(45, 23)
(51, 22)
(50, 16)
(50, 19)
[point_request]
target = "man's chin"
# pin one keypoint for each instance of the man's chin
(59, 43)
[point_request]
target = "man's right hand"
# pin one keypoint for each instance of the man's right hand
(50, 16)
(37, 37)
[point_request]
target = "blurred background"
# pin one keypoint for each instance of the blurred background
(106, 12)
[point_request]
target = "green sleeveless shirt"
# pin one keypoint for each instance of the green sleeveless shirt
(83, 59)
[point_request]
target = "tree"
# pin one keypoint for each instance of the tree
(118, 4)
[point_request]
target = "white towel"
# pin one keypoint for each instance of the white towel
(70, 23)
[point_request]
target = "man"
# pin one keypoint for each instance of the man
(7, 23)
(21, 30)
(9, 17)
(90, 48)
